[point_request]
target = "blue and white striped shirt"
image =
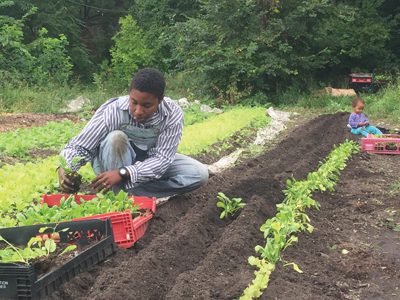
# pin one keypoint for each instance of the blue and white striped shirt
(169, 117)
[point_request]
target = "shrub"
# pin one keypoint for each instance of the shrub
(130, 52)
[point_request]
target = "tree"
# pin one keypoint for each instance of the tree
(241, 48)
(156, 18)
(129, 53)
(42, 61)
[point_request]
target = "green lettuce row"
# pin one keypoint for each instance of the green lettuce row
(20, 184)
(280, 231)
(53, 135)
(198, 137)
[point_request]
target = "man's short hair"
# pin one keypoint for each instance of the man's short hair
(149, 80)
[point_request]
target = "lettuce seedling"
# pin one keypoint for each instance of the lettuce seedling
(72, 175)
(229, 206)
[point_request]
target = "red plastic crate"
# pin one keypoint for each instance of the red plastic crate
(389, 144)
(126, 230)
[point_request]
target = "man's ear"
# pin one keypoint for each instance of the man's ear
(161, 99)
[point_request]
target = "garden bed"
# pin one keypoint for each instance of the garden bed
(13, 121)
(354, 251)
(188, 252)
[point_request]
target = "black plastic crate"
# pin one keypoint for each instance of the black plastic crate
(20, 281)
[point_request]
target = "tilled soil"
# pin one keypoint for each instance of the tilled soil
(13, 121)
(354, 252)
(188, 252)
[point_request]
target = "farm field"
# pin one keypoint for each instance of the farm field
(189, 252)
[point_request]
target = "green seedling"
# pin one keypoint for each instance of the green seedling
(72, 175)
(229, 206)
(36, 247)
(281, 230)
(69, 209)
(63, 164)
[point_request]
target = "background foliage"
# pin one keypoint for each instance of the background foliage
(228, 50)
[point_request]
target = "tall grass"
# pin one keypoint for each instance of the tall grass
(386, 104)
(51, 98)
(383, 105)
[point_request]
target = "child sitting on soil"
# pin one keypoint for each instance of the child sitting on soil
(358, 121)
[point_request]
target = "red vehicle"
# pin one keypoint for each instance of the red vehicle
(364, 82)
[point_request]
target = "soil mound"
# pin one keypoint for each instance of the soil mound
(188, 252)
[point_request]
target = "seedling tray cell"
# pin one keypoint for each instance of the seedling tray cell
(387, 144)
(20, 281)
(126, 230)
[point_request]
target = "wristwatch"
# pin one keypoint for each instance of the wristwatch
(123, 172)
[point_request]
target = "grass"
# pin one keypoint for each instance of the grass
(198, 137)
(383, 105)
(193, 115)
(51, 98)
(386, 104)
(53, 135)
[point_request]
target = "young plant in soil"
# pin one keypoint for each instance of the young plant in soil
(36, 247)
(229, 206)
(281, 231)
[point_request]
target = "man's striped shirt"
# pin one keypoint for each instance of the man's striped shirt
(169, 117)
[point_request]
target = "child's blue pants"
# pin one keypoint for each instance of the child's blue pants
(369, 129)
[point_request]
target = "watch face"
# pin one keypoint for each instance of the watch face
(123, 172)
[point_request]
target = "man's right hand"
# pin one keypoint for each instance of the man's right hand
(68, 184)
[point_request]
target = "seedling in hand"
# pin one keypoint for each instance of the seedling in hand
(71, 175)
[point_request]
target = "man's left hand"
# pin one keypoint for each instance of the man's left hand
(105, 181)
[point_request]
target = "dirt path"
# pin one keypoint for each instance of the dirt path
(21, 120)
(188, 252)
(359, 218)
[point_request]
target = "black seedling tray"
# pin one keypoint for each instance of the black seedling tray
(20, 281)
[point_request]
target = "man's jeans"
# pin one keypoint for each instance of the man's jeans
(183, 175)
(369, 129)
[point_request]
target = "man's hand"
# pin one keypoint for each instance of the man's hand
(68, 184)
(105, 181)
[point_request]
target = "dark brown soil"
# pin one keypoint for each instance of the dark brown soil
(188, 252)
(33, 155)
(220, 149)
(359, 217)
(13, 121)
(44, 265)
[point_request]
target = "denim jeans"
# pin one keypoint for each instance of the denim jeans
(364, 131)
(183, 175)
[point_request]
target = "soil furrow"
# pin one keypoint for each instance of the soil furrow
(188, 246)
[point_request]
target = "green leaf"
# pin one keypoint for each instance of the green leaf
(295, 267)
(43, 229)
(68, 249)
(50, 245)
(220, 204)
